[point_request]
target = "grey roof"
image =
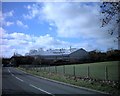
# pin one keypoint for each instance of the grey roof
(51, 52)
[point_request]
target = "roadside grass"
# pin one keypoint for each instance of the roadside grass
(78, 82)
(96, 70)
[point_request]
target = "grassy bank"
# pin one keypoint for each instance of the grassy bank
(101, 86)
(100, 70)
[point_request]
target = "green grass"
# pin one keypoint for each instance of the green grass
(78, 82)
(96, 70)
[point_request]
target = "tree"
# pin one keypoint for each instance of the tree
(111, 12)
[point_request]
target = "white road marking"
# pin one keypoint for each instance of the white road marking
(32, 85)
(15, 76)
(12, 74)
(39, 89)
(8, 70)
(18, 78)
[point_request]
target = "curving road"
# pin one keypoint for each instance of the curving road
(19, 83)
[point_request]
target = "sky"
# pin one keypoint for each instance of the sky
(52, 25)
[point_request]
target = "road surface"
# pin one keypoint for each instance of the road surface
(19, 83)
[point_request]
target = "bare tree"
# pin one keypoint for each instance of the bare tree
(111, 12)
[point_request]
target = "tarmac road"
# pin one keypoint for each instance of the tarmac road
(16, 82)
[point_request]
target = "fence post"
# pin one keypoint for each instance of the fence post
(55, 69)
(49, 68)
(44, 68)
(88, 72)
(40, 67)
(37, 68)
(64, 69)
(34, 67)
(106, 73)
(74, 70)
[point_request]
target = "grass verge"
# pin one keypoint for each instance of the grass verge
(78, 82)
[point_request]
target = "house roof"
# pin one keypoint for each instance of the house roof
(51, 52)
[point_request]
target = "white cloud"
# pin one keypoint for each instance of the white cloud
(1, 17)
(50, 28)
(22, 43)
(47, 41)
(9, 23)
(2, 32)
(6, 23)
(73, 19)
(79, 20)
(3, 20)
(8, 14)
(33, 11)
(20, 23)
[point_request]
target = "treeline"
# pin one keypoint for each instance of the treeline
(17, 60)
(111, 55)
(94, 56)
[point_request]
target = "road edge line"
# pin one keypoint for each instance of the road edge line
(19, 79)
(40, 89)
(63, 83)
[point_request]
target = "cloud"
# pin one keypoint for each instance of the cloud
(72, 20)
(9, 23)
(33, 11)
(50, 28)
(75, 20)
(79, 20)
(20, 23)
(2, 32)
(22, 43)
(8, 14)
(3, 20)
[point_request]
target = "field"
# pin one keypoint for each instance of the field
(102, 70)
(66, 73)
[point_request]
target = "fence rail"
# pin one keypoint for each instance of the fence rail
(97, 71)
